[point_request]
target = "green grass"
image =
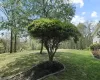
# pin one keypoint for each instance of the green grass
(79, 64)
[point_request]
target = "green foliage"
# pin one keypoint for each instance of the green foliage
(52, 28)
(86, 38)
(14, 20)
(82, 28)
(46, 8)
(88, 48)
(19, 13)
(45, 28)
(51, 32)
(95, 46)
(35, 44)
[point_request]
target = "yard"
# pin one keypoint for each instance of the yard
(28, 27)
(79, 64)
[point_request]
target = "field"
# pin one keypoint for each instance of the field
(79, 64)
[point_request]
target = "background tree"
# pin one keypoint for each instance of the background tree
(83, 30)
(52, 32)
(86, 40)
(98, 33)
(15, 20)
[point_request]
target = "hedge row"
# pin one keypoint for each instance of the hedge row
(95, 46)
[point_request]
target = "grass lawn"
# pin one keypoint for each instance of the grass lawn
(79, 64)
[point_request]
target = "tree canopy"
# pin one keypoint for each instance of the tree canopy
(52, 32)
(19, 13)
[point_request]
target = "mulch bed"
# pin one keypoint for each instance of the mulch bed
(39, 71)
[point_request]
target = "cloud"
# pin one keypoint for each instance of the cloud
(83, 13)
(94, 14)
(77, 2)
(80, 2)
(78, 19)
(94, 23)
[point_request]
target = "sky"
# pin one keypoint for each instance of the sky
(86, 10)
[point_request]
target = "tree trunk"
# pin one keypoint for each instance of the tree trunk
(11, 42)
(15, 43)
(50, 57)
(41, 47)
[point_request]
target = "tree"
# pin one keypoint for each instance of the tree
(86, 39)
(8, 8)
(58, 9)
(98, 33)
(15, 20)
(52, 32)
(82, 28)
(2, 45)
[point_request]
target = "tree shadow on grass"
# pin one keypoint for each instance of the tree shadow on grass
(77, 66)
(22, 64)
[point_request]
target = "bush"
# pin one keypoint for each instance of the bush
(95, 47)
(51, 32)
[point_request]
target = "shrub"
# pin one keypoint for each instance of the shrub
(51, 32)
(95, 47)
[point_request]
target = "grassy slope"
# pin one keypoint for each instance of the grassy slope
(80, 65)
